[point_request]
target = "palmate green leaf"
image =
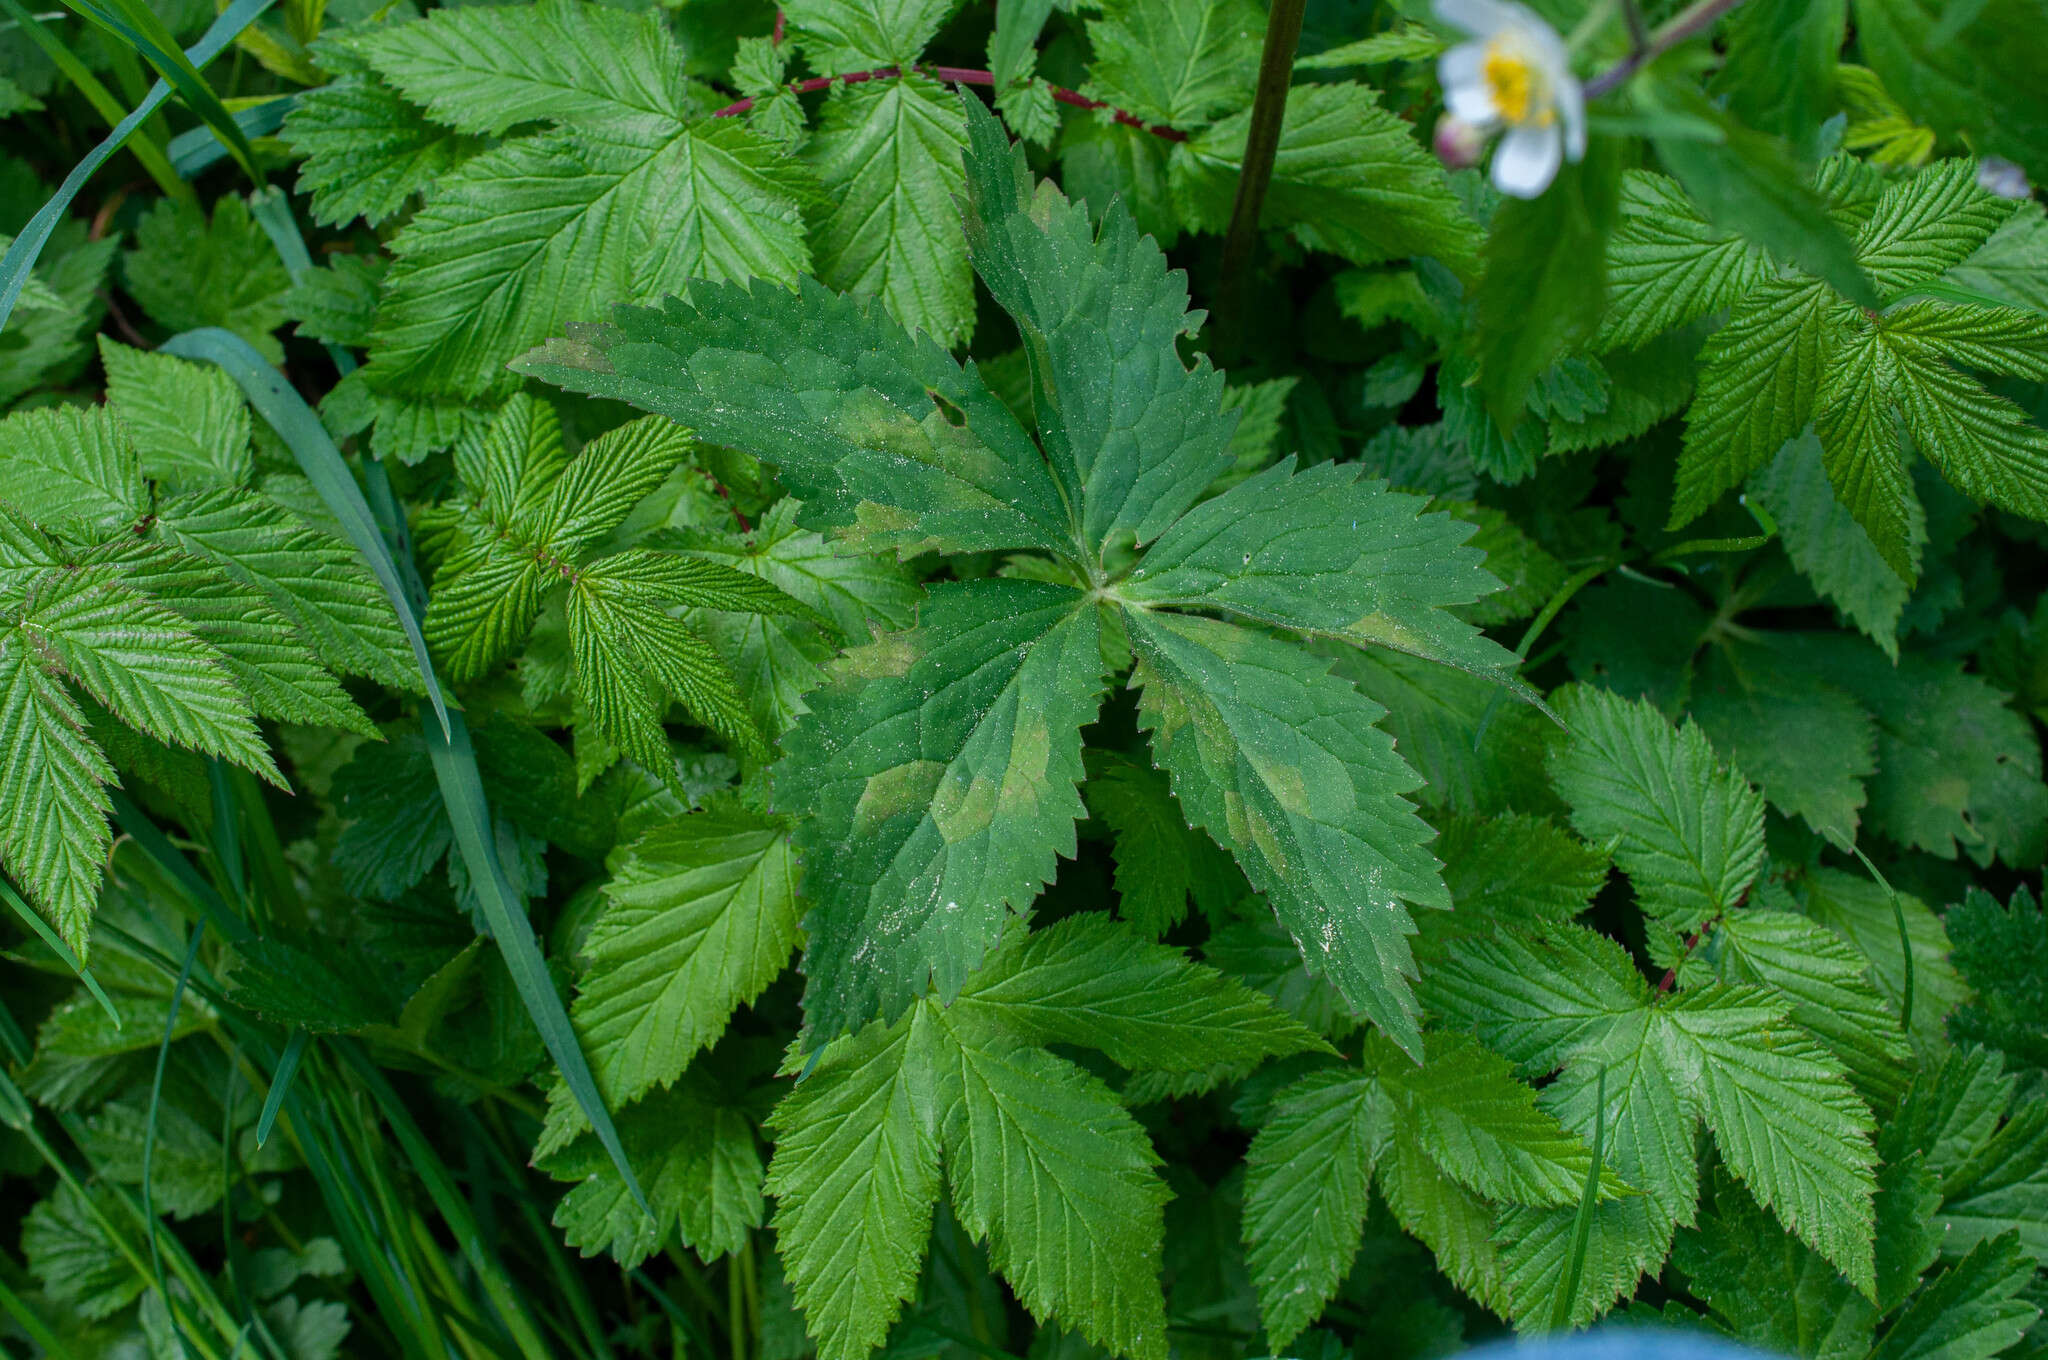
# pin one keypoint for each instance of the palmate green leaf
(1074, 1223)
(1826, 980)
(855, 1175)
(71, 469)
(938, 772)
(1091, 982)
(1350, 178)
(878, 456)
(1132, 435)
(366, 150)
(1970, 1311)
(1277, 758)
(1176, 64)
(701, 916)
(540, 231)
(697, 1158)
(1770, 1289)
(1689, 831)
(887, 158)
(1320, 551)
(187, 422)
(2002, 952)
(1926, 223)
(487, 70)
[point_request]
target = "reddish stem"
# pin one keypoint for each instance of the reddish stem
(959, 75)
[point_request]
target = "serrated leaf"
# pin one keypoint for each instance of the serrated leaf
(1690, 830)
(1830, 548)
(367, 151)
(1968, 1312)
(2001, 1188)
(1861, 912)
(1926, 223)
(1307, 1178)
(1809, 745)
(487, 70)
(53, 827)
(190, 271)
(1160, 860)
(1090, 982)
(852, 35)
(1133, 435)
(70, 466)
(1350, 177)
(1479, 753)
(854, 1176)
(1278, 759)
(701, 916)
(888, 159)
(2002, 952)
(69, 1252)
(527, 237)
(1320, 551)
(1173, 62)
(879, 459)
(1073, 1222)
(187, 422)
(939, 791)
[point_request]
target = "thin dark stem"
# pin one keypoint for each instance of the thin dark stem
(1690, 22)
(1261, 149)
(959, 75)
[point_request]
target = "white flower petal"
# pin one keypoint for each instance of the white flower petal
(1482, 17)
(1527, 159)
(1571, 107)
(1467, 96)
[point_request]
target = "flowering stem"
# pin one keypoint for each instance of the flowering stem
(1261, 149)
(1690, 22)
(958, 75)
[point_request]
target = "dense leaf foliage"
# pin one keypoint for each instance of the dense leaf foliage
(762, 680)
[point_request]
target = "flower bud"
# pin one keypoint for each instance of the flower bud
(1458, 143)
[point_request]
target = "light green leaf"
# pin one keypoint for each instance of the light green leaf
(938, 772)
(1667, 266)
(888, 159)
(1860, 911)
(1771, 1290)
(2002, 1187)
(53, 804)
(187, 422)
(188, 271)
(1160, 860)
(367, 151)
(1175, 62)
(1279, 761)
(701, 916)
(69, 1252)
(854, 35)
(1926, 223)
(1808, 745)
(66, 466)
(1059, 1179)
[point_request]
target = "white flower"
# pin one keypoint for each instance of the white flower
(1515, 76)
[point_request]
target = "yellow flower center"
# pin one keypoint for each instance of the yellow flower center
(1515, 83)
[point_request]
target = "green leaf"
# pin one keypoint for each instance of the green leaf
(367, 151)
(855, 1175)
(187, 422)
(189, 272)
(488, 70)
(1307, 1181)
(1780, 74)
(1479, 753)
(2002, 952)
(1278, 759)
(1859, 436)
(185, 1178)
(1176, 64)
(1160, 860)
(53, 804)
(1760, 377)
(1132, 435)
(2002, 1187)
(529, 236)
(875, 455)
(1926, 223)
(337, 302)
(1771, 1290)
(1322, 552)
(1983, 444)
(696, 1156)
(1093, 983)
(1514, 870)
(70, 468)
(68, 1250)
(701, 915)
(888, 160)
(1074, 1222)
(1951, 1110)
(1545, 279)
(2011, 265)
(1861, 912)
(938, 772)
(1831, 549)
(1667, 266)
(1968, 1312)
(854, 35)
(1349, 178)
(1962, 73)
(53, 344)
(1688, 830)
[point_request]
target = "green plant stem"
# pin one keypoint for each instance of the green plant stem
(1255, 172)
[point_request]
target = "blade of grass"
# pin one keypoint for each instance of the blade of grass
(33, 919)
(448, 744)
(197, 150)
(32, 1326)
(28, 246)
(102, 99)
(1905, 939)
(281, 1084)
(153, 843)
(1582, 1222)
(137, 25)
(156, 1097)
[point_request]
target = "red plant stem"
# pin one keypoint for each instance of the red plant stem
(1689, 23)
(959, 75)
